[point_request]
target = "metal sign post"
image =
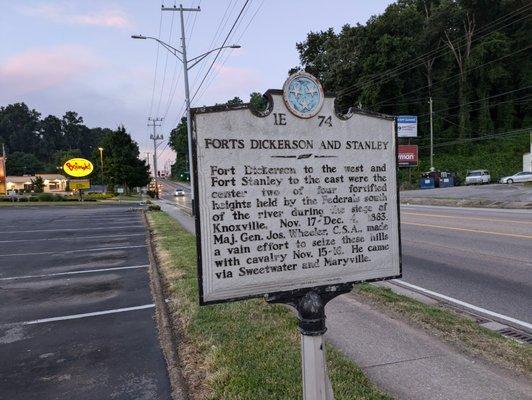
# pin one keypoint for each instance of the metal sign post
(295, 203)
(310, 307)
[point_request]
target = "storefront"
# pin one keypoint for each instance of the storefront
(52, 183)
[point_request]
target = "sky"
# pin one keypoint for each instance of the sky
(78, 55)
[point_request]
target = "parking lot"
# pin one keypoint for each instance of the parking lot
(77, 315)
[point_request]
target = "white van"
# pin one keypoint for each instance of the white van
(477, 177)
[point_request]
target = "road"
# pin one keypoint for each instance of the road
(167, 194)
(479, 256)
(77, 315)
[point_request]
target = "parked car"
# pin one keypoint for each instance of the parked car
(179, 193)
(477, 177)
(524, 176)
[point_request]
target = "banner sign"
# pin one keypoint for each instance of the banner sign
(294, 197)
(407, 155)
(407, 126)
(78, 167)
(2, 176)
(76, 184)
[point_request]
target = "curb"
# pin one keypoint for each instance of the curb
(168, 335)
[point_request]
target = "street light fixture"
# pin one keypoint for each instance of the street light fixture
(101, 163)
(181, 55)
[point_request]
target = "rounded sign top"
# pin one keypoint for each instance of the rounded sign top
(78, 167)
(303, 94)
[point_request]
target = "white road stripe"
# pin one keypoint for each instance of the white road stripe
(480, 310)
(73, 251)
(74, 238)
(86, 315)
(465, 209)
(84, 271)
(77, 229)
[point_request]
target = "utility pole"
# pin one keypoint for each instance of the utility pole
(154, 122)
(187, 64)
(431, 137)
(187, 94)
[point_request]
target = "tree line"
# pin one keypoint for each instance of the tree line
(472, 57)
(42, 145)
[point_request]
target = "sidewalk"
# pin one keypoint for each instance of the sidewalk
(405, 362)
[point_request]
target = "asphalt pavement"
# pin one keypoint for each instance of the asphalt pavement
(496, 192)
(77, 315)
(480, 256)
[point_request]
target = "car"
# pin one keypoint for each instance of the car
(525, 176)
(179, 193)
(478, 176)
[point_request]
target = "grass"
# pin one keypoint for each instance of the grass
(238, 351)
(453, 328)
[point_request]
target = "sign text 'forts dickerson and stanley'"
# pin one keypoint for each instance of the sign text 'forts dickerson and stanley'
(294, 199)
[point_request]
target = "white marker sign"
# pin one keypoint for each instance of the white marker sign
(407, 126)
(295, 199)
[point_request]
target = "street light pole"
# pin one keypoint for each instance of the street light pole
(101, 164)
(182, 56)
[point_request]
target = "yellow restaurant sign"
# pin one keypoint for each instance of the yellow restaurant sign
(78, 167)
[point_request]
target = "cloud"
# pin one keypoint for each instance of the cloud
(228, 82)
(63, 13)
(39, 69)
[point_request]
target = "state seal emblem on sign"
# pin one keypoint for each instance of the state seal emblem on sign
(303, 95)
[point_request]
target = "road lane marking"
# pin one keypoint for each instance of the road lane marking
(481, 209)
(84, 271)
(505, 318)
(73, 238)
(471, 218)
(86, 315)
(460, 249)
(73, 251)
(77, 229)
(468, 230)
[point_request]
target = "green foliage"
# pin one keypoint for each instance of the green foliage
(38, 184)
(50, 141)
(19, 163)
(419, 49)
(122, 165)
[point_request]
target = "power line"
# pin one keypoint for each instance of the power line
(439, 82)
(230, 51)
(165, 65)
(443, 49)
(479, 100)
(219, 51)
(479, 138)
(156, 65)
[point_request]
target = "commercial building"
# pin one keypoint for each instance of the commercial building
(52, 182)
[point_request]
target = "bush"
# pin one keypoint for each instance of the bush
(154, 207)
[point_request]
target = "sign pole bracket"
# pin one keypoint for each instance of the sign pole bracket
(310, 307)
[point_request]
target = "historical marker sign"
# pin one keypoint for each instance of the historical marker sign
(295, 198)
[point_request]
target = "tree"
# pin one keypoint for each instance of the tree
(235, 101)
(178, 142)
(19, 163)
(51, 137)
(38, 184)
(122, 165)
(19, 128)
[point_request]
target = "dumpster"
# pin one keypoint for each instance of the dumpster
(447, 179)
(427, 181)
